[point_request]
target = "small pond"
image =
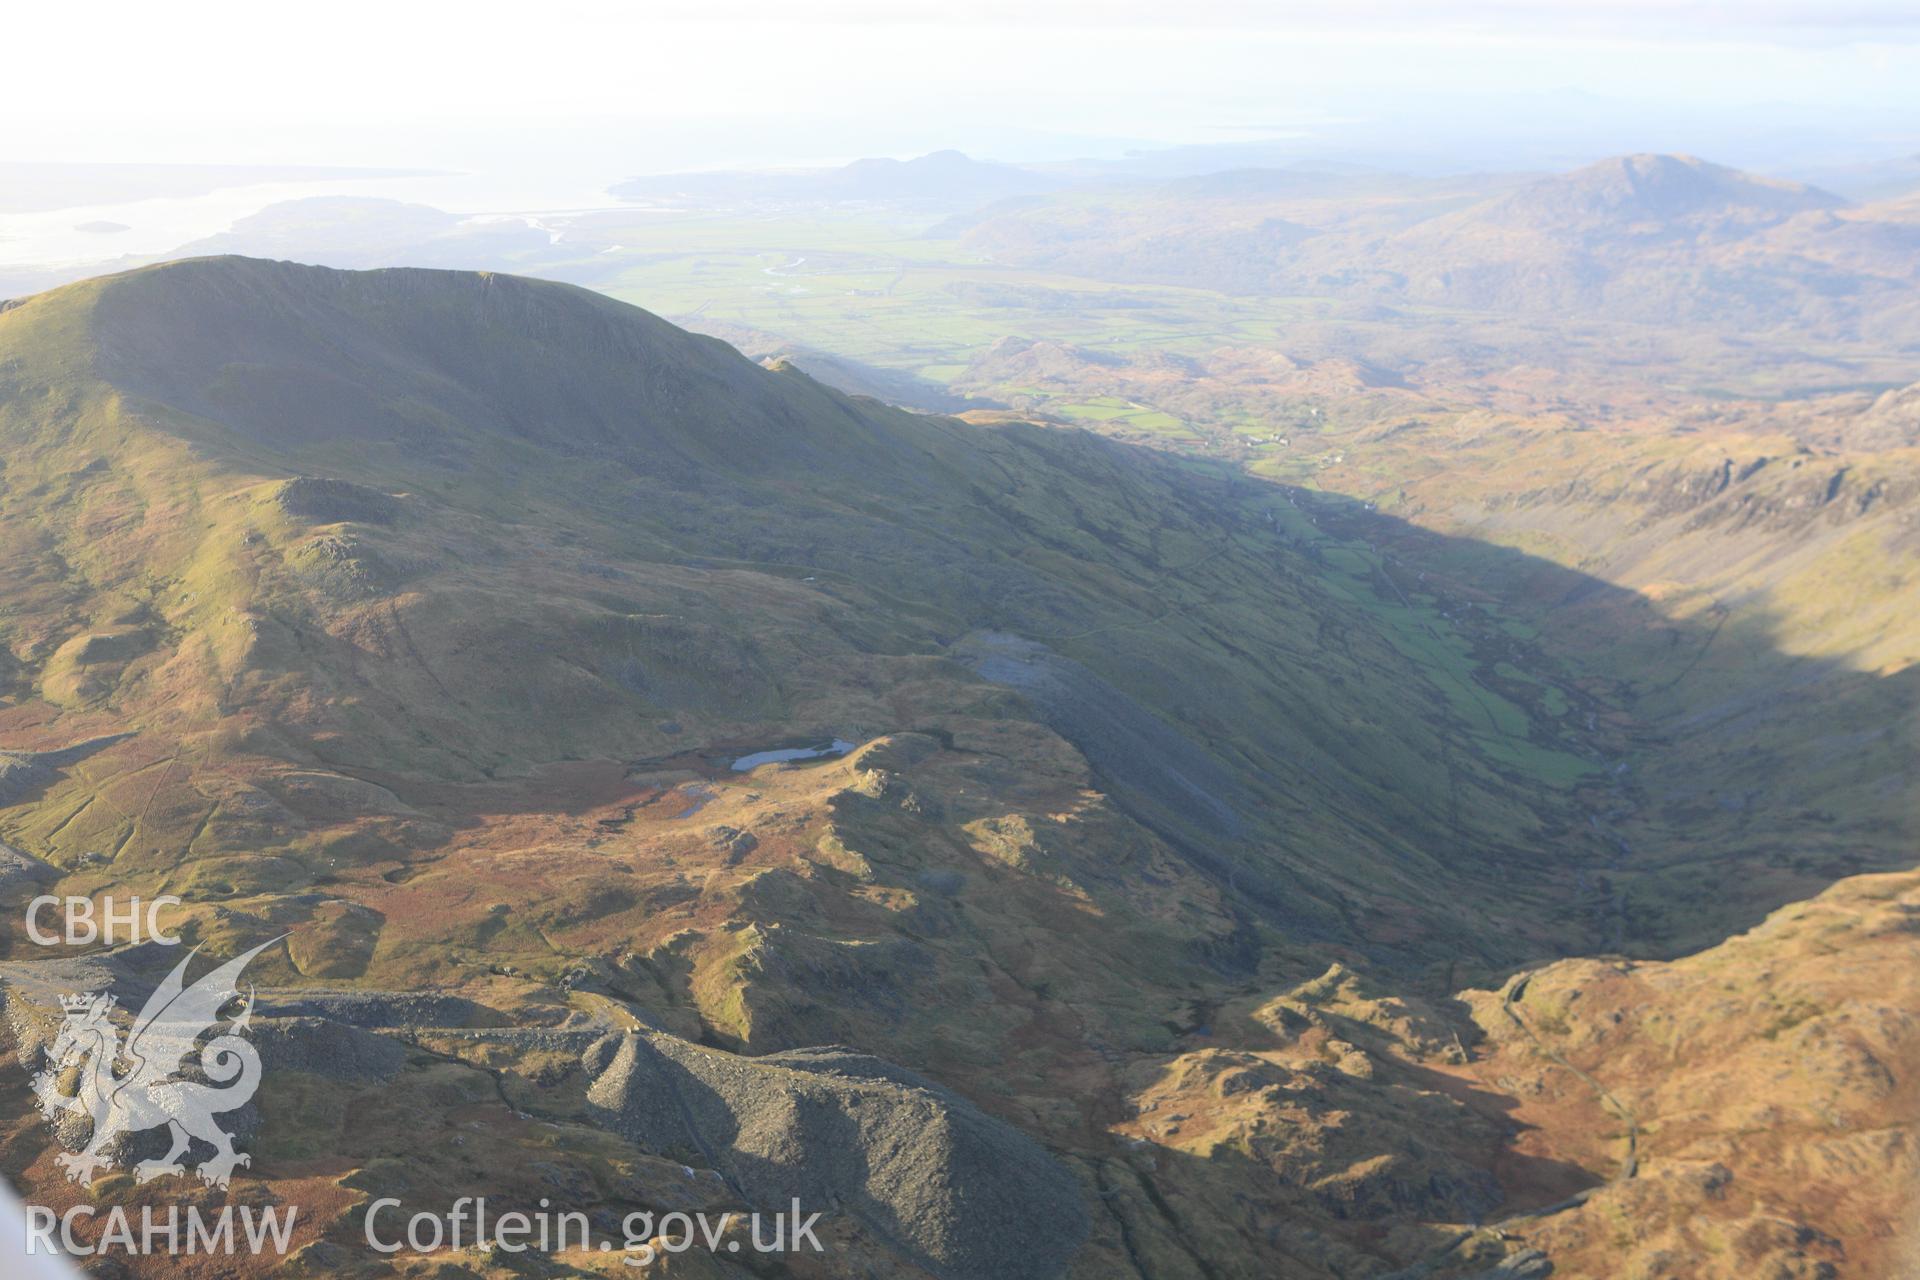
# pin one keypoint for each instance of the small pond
(782, 755)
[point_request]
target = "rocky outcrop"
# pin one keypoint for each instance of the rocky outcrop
(1807, 1033)
(323, 501)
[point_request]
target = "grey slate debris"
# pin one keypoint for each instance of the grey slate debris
(962, 1194)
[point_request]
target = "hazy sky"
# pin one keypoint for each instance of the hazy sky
(682, 83)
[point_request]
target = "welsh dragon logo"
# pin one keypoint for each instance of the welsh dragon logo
(131, 1087)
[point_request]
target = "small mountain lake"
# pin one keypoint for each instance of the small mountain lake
(784, 755)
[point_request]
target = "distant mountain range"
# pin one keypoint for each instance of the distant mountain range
(1648, 238)
(1660, 239)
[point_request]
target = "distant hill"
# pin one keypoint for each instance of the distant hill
(367, 231)
(1654, 194)
(1249, 183)
(944, 179)
(939, 175)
